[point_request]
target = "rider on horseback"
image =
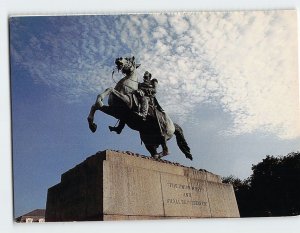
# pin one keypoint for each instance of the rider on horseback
(146, 98)
(146, 92)
(124, 100)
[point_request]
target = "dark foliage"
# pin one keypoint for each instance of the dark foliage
(272, 190)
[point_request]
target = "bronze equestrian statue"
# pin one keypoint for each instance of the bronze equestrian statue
(135, 104)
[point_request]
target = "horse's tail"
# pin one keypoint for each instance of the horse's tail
(181, 142)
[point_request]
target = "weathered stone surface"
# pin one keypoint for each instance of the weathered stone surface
(131, 191)
(79, 195)
(183, 196)
(114, 217)
(222, 200)
(112, 185)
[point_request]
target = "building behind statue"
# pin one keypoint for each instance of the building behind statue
(37, 215)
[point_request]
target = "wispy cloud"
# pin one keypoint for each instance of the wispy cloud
(244, 62)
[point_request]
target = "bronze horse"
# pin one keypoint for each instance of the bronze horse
(158, 127)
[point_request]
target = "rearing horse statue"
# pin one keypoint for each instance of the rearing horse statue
(155, 131)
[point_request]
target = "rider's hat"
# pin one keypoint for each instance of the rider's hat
(147, 74)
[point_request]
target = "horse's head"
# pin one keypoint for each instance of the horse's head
(126, 65)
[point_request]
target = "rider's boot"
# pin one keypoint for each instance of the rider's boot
(144, 108)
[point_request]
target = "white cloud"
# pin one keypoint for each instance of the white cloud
(245, 62)
(178, 23)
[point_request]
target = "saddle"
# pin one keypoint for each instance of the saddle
(154, 110)
(153, 105)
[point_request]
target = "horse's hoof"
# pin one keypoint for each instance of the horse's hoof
(155, 156)
(189, 157)
(93, 127)
(165, 153)
(115, 129)
(162, 154)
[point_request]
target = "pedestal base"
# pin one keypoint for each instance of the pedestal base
(113, 185)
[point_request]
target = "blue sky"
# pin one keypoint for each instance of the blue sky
(228, 78)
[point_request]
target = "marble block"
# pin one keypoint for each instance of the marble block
(114, 185)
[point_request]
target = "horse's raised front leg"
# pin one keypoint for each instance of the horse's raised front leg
(92, 125)
(119, 128)
(97, 106)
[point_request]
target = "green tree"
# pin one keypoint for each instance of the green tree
(272, 190)
(242, 190)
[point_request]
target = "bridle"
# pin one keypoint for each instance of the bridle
(112, 76)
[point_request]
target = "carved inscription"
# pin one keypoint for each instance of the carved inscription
(185, 187)
(185, 202)
(186, 194)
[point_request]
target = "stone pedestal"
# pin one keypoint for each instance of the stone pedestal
(113, 185)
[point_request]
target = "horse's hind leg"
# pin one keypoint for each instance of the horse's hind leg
(165, 149)
(152, 150)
